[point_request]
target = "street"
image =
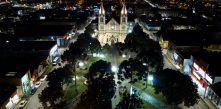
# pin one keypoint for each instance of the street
(33, 101)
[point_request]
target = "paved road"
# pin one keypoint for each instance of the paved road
(33, 102)
(167, 63)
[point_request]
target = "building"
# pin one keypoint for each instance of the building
(20, 77)
(114, 29)
(22, 64)
(206, 69)
(214, 94)
(8, 96)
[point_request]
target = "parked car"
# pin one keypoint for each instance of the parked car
(22, 103)
(44, 78)
(37, 84)
(33, 91)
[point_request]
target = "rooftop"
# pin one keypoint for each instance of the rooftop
(28, 45)
(216, 88)
(213, 59)
(186, 37)
(6, 92)
(16, 65)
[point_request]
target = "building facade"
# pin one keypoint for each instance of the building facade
(112, 31)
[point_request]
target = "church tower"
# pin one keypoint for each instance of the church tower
(101, 19)
(123, 23)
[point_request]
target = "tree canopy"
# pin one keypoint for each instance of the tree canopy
(78, 51)
(132, 69)
(101, 87)
(176, 87)
(130, 102)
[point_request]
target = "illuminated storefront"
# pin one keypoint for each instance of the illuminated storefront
(12, 102)
(26, 84)
(54, 53)
(200, 75)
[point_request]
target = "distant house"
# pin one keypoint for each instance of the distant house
(8, 96)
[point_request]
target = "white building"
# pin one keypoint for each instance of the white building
(111, 32)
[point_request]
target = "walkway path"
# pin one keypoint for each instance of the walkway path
(148, 98)
(116, 99)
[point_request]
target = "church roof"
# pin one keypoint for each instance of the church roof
(115, 17)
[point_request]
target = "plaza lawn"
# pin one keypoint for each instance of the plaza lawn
(149, 90)
(74, 91)
(147, 105)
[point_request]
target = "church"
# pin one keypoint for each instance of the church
(114, 29)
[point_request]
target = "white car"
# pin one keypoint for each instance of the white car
(22, 104)
(37, 84)
(44, 78)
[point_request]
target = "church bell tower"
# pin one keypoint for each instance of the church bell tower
(101, 19)
(123, 22)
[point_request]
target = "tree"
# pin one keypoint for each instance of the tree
(50, 94)
(78, 51)
(133, 69)
(130, 102)
(136, 40)
(57, 78)
(88, 43)
(101, 87)
(153, 60)
(176, 87)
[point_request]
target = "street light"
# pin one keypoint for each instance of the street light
(145, 64)
(93, 35)
(114, 68)
(150, 78)
(73, 79)
(81, 64)
(124, 56)
(101, 55)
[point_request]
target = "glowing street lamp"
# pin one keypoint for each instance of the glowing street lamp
(145, 64)
(150, 78)
(124, 56)
(81, 64)
(93, 35)
(73, 78)
(101, 55)
(114, 68)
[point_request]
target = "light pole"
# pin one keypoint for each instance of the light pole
(114, 68)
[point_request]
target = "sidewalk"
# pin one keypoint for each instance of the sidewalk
(148, 98)
(209, 103)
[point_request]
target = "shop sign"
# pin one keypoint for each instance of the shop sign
(201, 72)
(196, 75)
(209, 79)
(195, 66)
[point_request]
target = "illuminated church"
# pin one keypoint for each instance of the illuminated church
(112, 30)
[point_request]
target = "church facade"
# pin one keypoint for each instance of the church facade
(112, 31)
